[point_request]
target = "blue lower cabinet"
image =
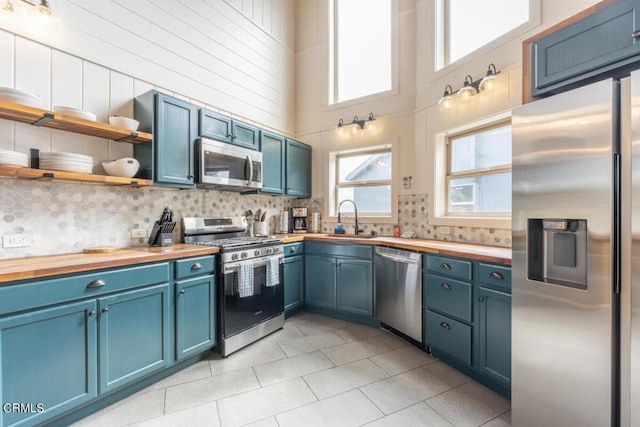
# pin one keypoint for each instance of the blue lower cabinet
(195, 316)
(49, 362)
(133, 333)
(293, 283)
(449, 336)
(320, 283)
(354, 286)
(494, 310)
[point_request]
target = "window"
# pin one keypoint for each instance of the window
(478, 178)
(466, 25)
(364, 177)
(361, 48)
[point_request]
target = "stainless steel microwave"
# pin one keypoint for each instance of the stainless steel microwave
(225, 166)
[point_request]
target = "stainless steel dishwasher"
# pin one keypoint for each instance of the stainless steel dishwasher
(399, 290)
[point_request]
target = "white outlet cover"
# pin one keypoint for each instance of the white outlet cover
(16, 240)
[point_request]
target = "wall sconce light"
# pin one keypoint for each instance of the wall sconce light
(469, 88)
(357, 124)
(39, 10)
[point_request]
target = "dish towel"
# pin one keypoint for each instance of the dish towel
(273, 270)
(245, 278)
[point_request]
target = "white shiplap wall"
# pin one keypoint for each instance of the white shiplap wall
(207, 51)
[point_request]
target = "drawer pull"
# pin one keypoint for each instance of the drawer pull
(496, 275)
(98, 283)
(481, 299)
(181, 292)
(445, 266)
(92, 313)
(105, 310)
(196, 266)
(635, 34)
(292, 250)
(445, 325)
(446, 286)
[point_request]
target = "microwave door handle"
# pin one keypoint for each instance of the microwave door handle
(249, 166)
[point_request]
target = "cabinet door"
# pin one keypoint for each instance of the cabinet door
(48, 357)
(298, 169)
(174, 140)
(355, 286)
(133, 335)
(494, 309)
(320, 283)
(245, 135)
(195, 316)
(273, 177)
(293, 283)
(598, 43)
(214, 125)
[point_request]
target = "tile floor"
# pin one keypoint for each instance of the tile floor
(316, 371)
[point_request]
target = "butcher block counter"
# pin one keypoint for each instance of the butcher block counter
(14, 269)
(493, 254)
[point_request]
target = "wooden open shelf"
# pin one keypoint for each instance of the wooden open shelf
(49, 119)
(46, 174)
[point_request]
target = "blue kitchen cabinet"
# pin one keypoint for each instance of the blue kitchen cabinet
(293, 277)
(320, 281)
(245, 135)
(225, 129)
(494, 330)
(298, 169)
(133, 335)
(49, 357)
(272, 147)
(354, 286)
(195, 315)
(170, 159)
(602, 43)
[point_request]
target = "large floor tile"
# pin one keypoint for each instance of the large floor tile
(200, 416)
(344, 378)
(447, 374)
(469, 405)
(210, 389)
(267, 422)
(345, 410)
(311, 343)
(392, 340)
(315, 324)
(258, 404)
(194, 372)
(419, 414)
(402, 360)
(358, 332)
(245, 358)
(287, 333)
(286, 369)
(356, 350)
(404, 390)
(136, 408)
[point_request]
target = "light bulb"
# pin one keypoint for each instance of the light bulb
(7, 7)
(446, 102)
(341, 131)
(47, 19)
(488, 83)
(354, 128)
(370, 126)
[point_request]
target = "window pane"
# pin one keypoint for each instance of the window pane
(363, 47)
(487, 193)
(370, 199)
(473, 23)
(481, 150)
(366, 167)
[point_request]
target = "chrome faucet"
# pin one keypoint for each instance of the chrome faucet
(355, 208)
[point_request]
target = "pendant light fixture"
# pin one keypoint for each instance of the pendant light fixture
(357, 125)
(489, 80)
(446, 102)
(39, 11)
(469, 89)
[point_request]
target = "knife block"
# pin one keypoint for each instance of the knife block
(162, 234)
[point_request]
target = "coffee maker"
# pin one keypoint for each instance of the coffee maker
(298, 220)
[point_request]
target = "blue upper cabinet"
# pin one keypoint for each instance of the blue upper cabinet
(168, 160)
(273, 161)
(225, 129)
(298, 169)
(602, 41)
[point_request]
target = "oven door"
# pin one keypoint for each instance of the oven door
(224, 165)
(250, 302)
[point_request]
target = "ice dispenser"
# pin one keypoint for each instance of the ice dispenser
(557, 251)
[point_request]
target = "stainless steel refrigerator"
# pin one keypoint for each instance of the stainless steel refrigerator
(576, 257)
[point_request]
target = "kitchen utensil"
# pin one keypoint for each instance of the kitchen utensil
(125, 167)
(74, 112)
(315, 222)
(264, 216)
(124, 123)
(258, 215)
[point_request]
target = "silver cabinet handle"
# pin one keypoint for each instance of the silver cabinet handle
(97, 284)
(196, 266)
(481, 299)
(292, 250)
(105, 310)
(635, 34)
(181, 292)
(445, 325)
(446, 286)
(496, 275)
(445, 266)
(92, 313)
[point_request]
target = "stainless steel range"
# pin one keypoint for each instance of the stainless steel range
(250, 286)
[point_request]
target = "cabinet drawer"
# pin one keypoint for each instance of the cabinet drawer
(451, 267)
(51, 291)
(292, 249)
(449, 336)
(496, 276)
(194, 266)
(449, 296)
(339, 249)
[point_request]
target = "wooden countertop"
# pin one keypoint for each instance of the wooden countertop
(493, 254)
(51, 265)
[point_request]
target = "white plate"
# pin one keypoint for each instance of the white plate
(74, 112)
(67, 167)
(66, 156)
(30, 101)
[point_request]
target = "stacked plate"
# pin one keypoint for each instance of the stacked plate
(13, 158)
(69, 162)
(20, 97)
(74, 112)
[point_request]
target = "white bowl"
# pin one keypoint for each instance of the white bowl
(74, 112)
(124, 123)
(126, 167)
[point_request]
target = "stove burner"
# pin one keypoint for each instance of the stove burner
(238, 242)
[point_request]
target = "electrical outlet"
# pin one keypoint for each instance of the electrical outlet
(444, 230)
(16, 240)
(138, 234)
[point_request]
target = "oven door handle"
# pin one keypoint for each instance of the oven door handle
(233, 266)
(248, 169)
